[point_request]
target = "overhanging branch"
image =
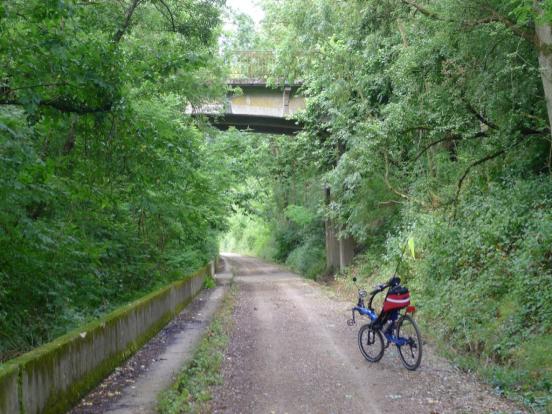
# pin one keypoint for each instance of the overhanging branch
(171, 16)
(128, 17)
(64, 106)
(527, 132)
(478, 115)
(479, 134)
(494, 17)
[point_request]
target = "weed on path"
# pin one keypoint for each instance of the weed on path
(191, 392)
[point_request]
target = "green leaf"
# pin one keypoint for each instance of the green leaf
(411, 247)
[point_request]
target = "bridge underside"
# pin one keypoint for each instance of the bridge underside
(255, 123)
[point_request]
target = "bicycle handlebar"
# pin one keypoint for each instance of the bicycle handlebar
(394, 281)
(379, 288)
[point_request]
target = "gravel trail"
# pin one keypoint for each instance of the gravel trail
(292, 352)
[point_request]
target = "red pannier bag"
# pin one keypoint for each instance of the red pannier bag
(397, 298)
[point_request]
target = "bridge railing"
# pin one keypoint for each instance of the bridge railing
(250, 64)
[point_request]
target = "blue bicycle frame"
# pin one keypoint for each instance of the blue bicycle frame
(388, 333)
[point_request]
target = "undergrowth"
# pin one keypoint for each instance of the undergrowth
(296, 242)
(483, 282)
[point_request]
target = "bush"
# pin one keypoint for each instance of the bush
(308, 259)
(484, 281)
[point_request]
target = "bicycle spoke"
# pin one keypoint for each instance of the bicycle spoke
(370, 342)
(408, 332)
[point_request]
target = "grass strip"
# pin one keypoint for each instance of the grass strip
(192, 391)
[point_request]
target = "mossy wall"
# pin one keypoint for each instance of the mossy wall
(9, 399)
(53, 377)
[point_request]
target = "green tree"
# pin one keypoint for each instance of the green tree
(242, 34)
(106, 188)
(428, 119)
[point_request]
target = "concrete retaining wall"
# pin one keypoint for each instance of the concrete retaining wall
(9, 398)
(53, 377)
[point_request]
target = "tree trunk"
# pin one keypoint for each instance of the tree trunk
(544, 38)
(128, 16)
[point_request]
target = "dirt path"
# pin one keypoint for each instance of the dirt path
(292, 352)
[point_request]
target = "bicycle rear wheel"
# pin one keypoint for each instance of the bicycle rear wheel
(370, 342)
(411, 352)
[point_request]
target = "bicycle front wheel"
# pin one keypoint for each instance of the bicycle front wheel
(370, 342)
(411, 351)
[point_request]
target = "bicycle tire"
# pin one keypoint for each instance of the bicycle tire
(410, 360)
(368, 340)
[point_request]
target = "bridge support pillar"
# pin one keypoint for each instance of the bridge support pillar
(333, 262)
(285, 101)
(346, 252)
(339, 251)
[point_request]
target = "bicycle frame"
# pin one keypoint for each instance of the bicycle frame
(393, 316)
(383, 328)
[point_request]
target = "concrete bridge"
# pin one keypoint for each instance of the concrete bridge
(251, 103)
(258, 107)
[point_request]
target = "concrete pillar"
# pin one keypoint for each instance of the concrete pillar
(285, 101)
(346, 252)
(332, 248)
(339, 252)
(332, 243)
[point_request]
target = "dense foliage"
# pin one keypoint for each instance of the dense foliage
(275, 200)
(106, 189)
(427, 120)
